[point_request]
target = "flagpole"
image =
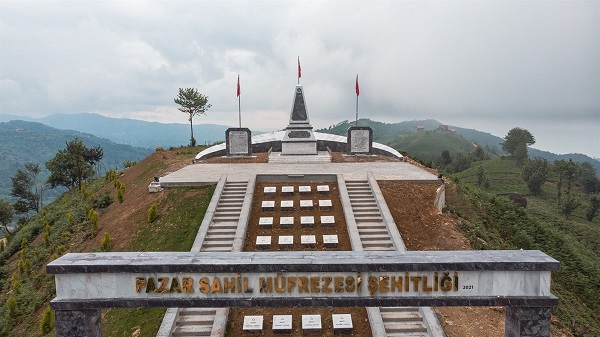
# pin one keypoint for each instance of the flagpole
(357, 93)
(239, 102)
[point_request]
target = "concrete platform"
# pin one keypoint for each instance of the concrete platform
(202, 174)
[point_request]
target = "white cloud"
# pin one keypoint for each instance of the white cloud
(487, 65)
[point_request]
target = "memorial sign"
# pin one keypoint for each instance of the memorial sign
(238, 142)
(282, 324)
(360, 140)
(519, 280)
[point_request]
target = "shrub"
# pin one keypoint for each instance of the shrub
(47, 321)
(518, 199)
(93, 217)
(129, 163)
(105, 244)
(103, 201)
(153, 212)
(11, 305)
(121, 194)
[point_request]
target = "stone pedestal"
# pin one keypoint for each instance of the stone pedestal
(78, 323)
(238, 142)
(527, 322)
(360, 140)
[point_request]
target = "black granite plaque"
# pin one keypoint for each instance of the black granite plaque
(360, 140)
(299, 134)
(238, 142)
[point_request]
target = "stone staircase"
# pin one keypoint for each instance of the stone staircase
(374, 235)
(372, 230)
(219, 238)
(222, 228)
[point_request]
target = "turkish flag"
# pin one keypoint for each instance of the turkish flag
(238, 86)
(299, 69)
(357, 90)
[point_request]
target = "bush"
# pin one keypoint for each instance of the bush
(103, 201)
(11, 305)
(93, 217)
(47, 321)
(129, 163)
(120, 195)
(153, 212)
(518, 199)
(105, 244)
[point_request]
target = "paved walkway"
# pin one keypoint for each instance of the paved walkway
(198, 174)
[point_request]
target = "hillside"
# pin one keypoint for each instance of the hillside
(34, 142)
(132, 131)
(396, 136)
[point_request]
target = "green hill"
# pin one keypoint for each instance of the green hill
(492, 221)
(34, 142)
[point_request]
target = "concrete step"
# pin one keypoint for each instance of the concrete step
(195, 319)
(216, 237)
(189, 331)
(218, 218)
(379, 249)
(198, 311)
(217, 244)
(232, 213)
(407, 334)
(373, 237)
(404, 327)
(219, 231)
(398, 309)
(224, 225)
(379, 245)
(215, 249)
(401, 316)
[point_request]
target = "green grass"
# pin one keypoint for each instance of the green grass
(428, 145)
(174, 230)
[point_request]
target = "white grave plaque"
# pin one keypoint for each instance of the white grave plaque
(323, 189)
(287, 205)
(308, 240)
(286, 241)
(330, 241)
(325, 205)
(327, 221)
(263, 242)
(265, 222)
(306, 204)
(253, 324)
(342, 323)
(268, 205)
(304, 189)
(307, 221)
(286, 222)
(282, 324)
(287, 190)
(311, 324)
(270, 191)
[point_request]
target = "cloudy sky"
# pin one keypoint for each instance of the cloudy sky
(487, 65)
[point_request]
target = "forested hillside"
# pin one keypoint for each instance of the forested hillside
(24, 142)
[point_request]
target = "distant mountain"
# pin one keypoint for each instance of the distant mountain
(131, 131)
(35, 142)
(398, 136)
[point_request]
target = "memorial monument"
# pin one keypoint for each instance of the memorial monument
(299, 138)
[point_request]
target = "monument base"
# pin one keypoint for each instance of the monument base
(299, 148)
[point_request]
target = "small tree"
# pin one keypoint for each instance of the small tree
(6, 215)
(25, 189)
(105, 244)
(569, 205)
(153, 212)
(192, 103)
(588, 178)
(73, 165)
(516, 142)
(594, 207)
(47, 321)
(11, 305)
(535, 173)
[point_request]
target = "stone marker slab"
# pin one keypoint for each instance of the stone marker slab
(360, 140)
(330, 241)
(287, 205)
(268, 205)
(263, 242)
(342, 324)
(265, 222)
(308, 241)
(286, 241)
(286, 222)
(238, 142)
(327, 221)
(304, 189)
(253, 324)
(282, 324)
(307, 221)
(306, 205)
(325, 205)
(323, 189)
(311, 324)
(270, 191)
(287, 190)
